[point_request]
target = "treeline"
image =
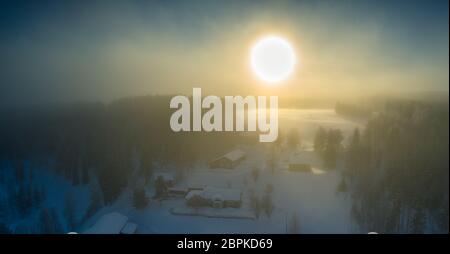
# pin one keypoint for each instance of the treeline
(100, 141)
(328, 144)
(397, 170)
(20, 196)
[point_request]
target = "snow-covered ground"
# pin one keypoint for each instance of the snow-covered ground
(312, 197)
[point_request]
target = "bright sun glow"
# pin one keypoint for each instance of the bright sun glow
(273, 59)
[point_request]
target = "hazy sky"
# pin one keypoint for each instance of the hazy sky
(59, 51)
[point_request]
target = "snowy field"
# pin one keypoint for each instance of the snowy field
(311, 197)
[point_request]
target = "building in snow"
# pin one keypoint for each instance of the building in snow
(303, 161)
(112, 223)
(214, 197)
(229, 160)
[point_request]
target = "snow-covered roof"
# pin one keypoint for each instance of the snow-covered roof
(193, 193)
(234, 155)
(111, 223)
(212, 193)
(129, 228)
(222, 194)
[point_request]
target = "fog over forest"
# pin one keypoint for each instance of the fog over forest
(86, 143)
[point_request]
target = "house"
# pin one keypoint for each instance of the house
(215, 197)
(167, 178)
(112, 223)
(229, 160)
(303, 162)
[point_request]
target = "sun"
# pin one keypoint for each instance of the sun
(272, 59)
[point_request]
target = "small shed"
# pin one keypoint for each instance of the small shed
(299, 164)
(229, 160)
